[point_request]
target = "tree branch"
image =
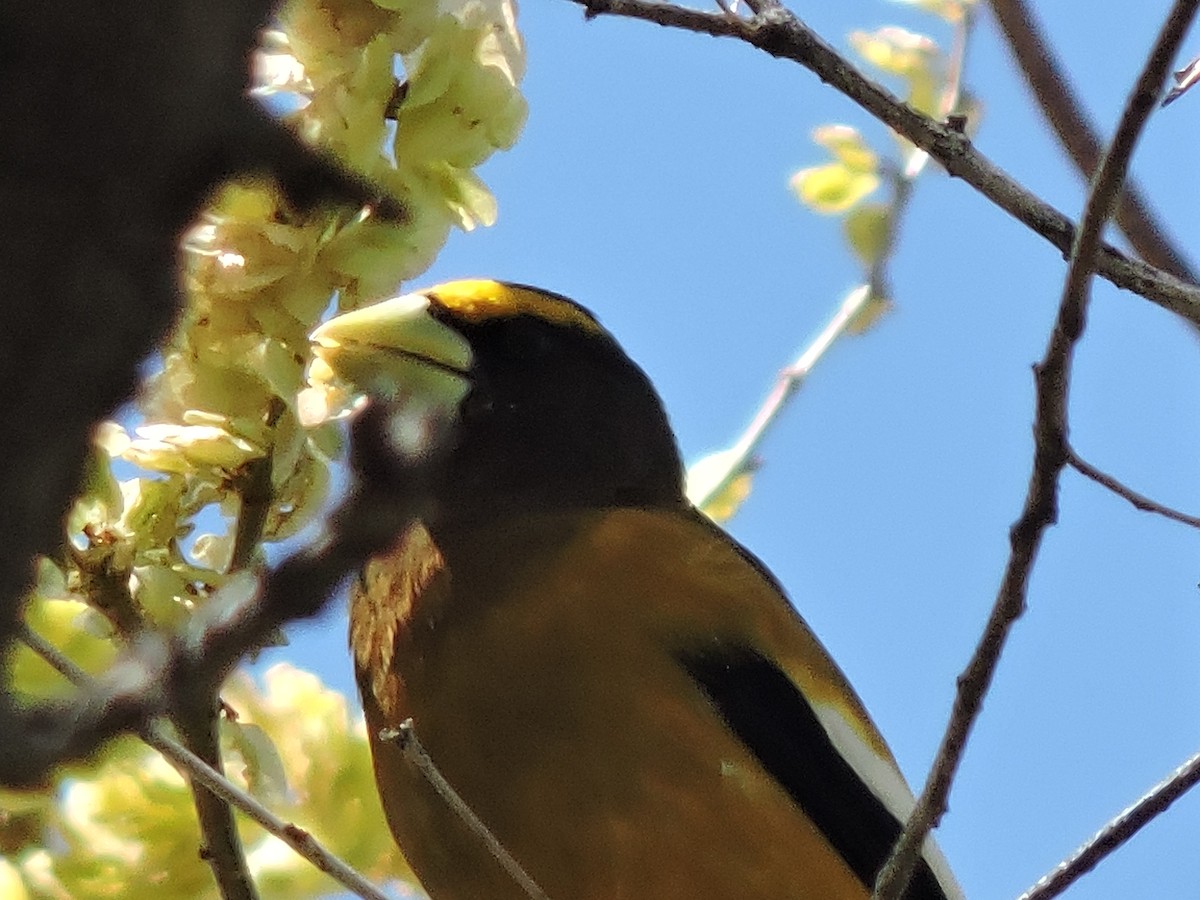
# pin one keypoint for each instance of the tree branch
(198, 771)
(1065, 114)
(88, 259)
(739, 458)
(1139, 501)
(151, 678)
(1114, 834)
(780, 34)
(196, 720)
(94, 203)
(1052, 381)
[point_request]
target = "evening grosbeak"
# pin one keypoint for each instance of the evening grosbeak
(620, 692)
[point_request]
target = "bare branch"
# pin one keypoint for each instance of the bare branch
(1052, 381)
(780, 34)
(1065, 114)
(197, 770)
(1113, 835)
(1139, 501)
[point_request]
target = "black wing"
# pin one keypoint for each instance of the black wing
(770, 715)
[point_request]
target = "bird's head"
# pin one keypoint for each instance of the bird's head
(545, 410)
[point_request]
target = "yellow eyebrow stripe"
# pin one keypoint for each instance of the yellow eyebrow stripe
(478, 300)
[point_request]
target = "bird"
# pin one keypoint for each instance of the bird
(620, 693)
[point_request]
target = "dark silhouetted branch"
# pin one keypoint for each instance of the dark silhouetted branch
(779, 33)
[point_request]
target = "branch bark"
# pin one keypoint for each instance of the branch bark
(1052, 381)
(779, 33)
(1065, 114)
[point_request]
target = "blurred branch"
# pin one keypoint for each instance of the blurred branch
(1139, 501)
(155, 673)
(779, 33)
(1065, 114)
(94, 203)
(739, 458)
(1185, 80)
(1114, 834)
(405, 737)
(253, 487)
(1052, 382)
(952, 90)
(198, 771)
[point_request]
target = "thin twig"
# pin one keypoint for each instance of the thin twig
(1139, 501)
(1052, 381)
(905, 179)
(1117, 832)
(780, 34)
(740, 456)
(197, 770)
(1185, 80)
(405, 737)
(1065, 114)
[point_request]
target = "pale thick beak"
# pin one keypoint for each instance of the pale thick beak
(394, 350)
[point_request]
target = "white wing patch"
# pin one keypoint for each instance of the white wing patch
(887, 784)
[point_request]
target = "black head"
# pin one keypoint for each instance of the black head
(556, 414)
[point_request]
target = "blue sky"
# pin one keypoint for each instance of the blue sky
(650, 184)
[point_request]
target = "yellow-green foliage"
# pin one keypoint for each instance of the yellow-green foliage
(847, 185)
(124, 827)
(848, 182)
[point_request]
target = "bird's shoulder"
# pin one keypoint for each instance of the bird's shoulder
(669, 575)
(647, 615)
